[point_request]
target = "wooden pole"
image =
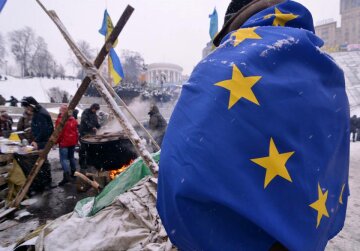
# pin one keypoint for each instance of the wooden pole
(73, 103)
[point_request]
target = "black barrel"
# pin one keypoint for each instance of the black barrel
(109, 151)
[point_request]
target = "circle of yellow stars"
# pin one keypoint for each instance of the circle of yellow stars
(240, 87)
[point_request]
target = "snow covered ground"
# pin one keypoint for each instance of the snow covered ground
(36, 87)
(349, 238)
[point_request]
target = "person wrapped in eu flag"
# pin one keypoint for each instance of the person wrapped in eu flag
(256, 154)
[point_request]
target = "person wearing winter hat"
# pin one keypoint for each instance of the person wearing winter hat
(5, 124)
(89, 125)
(67, 141)
(41, 128)
(41, 124)
(256, 153)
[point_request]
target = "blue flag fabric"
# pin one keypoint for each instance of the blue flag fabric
(105, 23)
(213, 24)
(257, 148)
(2, 4)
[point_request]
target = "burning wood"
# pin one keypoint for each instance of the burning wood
(92, 183)
(114, 173)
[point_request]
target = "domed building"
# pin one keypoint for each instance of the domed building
(160, 74)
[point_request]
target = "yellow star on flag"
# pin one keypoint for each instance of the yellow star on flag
(281, 18)
(241, 34)
(320, 205)
(240, 87)
(341, 195)
(274, 164)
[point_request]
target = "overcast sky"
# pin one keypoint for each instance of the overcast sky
(173, 31)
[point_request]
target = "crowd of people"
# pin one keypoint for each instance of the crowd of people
(355, 128)
(12, 101)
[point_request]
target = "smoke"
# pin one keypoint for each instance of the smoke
(140, 109)
(112, 126)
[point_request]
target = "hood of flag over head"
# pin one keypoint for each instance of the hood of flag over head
(257, 148)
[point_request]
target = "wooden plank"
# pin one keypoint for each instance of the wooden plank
(6, 212)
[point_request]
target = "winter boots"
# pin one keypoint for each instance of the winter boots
(66, 179)
(73, 173)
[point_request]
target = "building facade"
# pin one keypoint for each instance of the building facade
(328, 32)
(348, 33)
(163, 73)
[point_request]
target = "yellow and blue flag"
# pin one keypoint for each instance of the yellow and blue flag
(257, 149)
(115, 67)
(213, 24)
(2, 4)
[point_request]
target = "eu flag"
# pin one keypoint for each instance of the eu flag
(115, 67)
(257, 148)
(2, 4)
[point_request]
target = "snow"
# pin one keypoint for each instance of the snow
(349, 238)
(355, 111)
(36, 87)
(278, 45)
(86, 209)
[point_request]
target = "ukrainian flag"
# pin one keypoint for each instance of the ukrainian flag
(114, 63)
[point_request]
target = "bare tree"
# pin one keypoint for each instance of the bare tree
(60, 71)
(133, 64)
(22, 46)
(42, 62)
(88, 52)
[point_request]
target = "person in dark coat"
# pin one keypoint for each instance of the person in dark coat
(13, 101)
(41, 128)
(157, 124)
(353, 126)
(358, 129)
(89, 121)
(24, 125)
(88, 126)
(2, 100)
(41, 124)
(5, 124)
(76, 113)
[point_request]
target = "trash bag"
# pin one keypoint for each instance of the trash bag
(126, 180)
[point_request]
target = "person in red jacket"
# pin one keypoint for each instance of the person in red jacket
(67, 140)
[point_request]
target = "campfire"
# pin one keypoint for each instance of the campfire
(114, 173)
